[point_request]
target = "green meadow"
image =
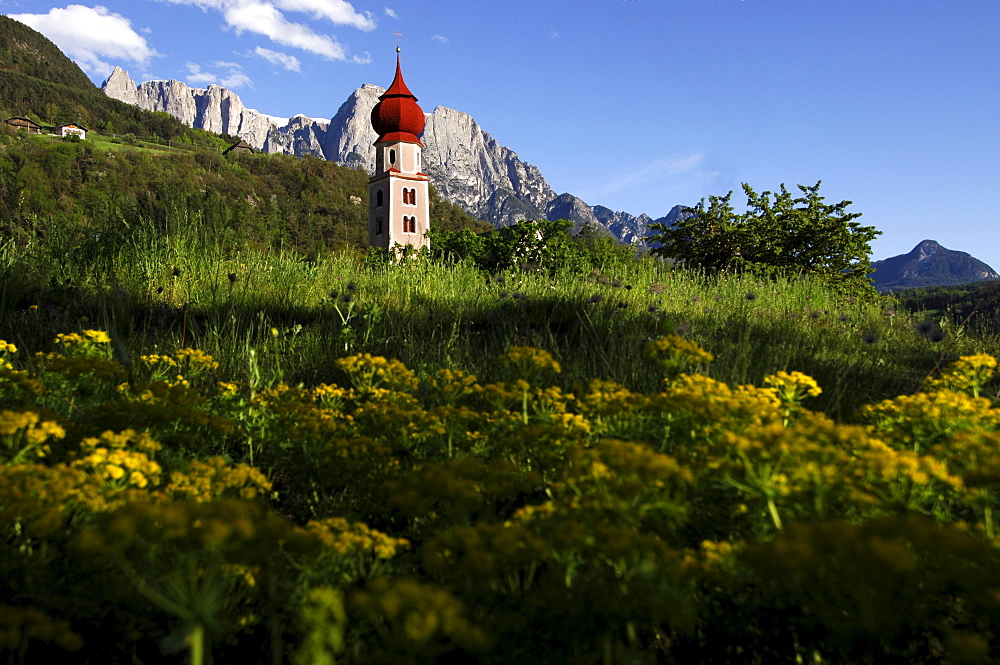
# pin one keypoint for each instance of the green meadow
(219, 451)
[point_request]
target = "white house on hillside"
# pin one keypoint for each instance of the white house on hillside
(73, 129)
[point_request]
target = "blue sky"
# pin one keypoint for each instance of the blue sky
(636, 105)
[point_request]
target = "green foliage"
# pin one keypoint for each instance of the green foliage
(24, 51)
(538, 243)
(778, 234)
(974, 306)
(391, 517)
(446, 216)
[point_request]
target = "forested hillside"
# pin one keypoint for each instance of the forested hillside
(52, 187)
(138, 167)
(38, 81)
(976, 305)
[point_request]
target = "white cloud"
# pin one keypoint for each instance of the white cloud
(441, 38)
(338, 12)
(90, 34)
(653, 171)
(266, 17)
(391, 13)
(289, 62)
(233, 79)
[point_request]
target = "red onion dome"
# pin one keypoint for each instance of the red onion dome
(397, 117)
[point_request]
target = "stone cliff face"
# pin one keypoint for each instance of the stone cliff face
(628, 228)
(467, 165)
(351, 139)
(214, 109)
(567, 206)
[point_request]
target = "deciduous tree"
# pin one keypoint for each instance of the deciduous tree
(778, 233)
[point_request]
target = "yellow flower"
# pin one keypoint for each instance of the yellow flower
(968, 374)
(97, 336)
(227, 388)
(676, 354)
(527, 361)
(369, 373)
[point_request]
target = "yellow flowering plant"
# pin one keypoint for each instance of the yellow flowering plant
(972, 457)
(369, 373)
(674, 354)
(6, 349)
(22, 626)
(24, 435)
(415, 619)
(450, 386)
(121, 459)
(926, 419)
(968, 374)
(526, 362)
(792, 388)
(349, 552)
(626, 483)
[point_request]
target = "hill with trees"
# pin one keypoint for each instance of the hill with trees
(975, 306)
(74, 189)
(38, 81)
(139, 168)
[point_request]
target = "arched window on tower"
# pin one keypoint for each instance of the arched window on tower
(378, 225)
(392, 157)
(409, 224)
(409, 196)
(378, 199)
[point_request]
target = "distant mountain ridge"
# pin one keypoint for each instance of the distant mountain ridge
(467, 165)
(930, 264)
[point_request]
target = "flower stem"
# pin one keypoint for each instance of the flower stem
(196, 640)
(773, 509)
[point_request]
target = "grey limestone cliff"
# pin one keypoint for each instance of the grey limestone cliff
(214, 109)
(624, 226)
(567, 206)
(468, 166)
(351, 139)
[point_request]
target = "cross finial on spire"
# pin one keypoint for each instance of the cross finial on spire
(398, 35)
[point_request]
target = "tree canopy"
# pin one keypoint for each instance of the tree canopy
(778, 233)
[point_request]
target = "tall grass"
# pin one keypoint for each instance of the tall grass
(273, 316)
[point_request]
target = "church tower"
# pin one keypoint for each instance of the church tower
(398, 197)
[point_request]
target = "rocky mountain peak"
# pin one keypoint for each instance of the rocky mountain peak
(567, 206)
(466, 164)
(927, 248)
(930, 264)
(120, 86)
